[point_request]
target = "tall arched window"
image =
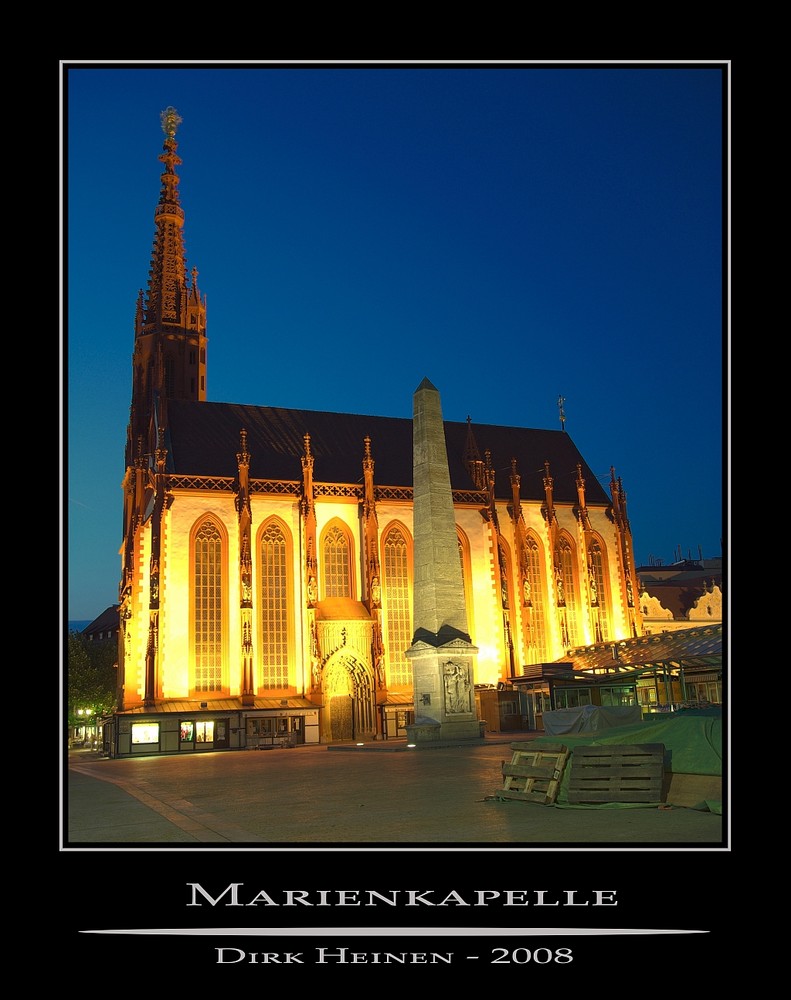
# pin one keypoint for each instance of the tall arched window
(336, 548)
(600, 619)
(398, 603)
(567, 594)
(150, 385)
(208, 608)
(506, 600)
(466, 576)
(170, 377)
(274, 604)
(534, 606)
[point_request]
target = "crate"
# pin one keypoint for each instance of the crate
(617, 773)
(534, 773)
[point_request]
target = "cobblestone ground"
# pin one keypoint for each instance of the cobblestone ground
(325, 796)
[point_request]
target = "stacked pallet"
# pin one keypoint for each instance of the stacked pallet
(617, 773)
(534, 773)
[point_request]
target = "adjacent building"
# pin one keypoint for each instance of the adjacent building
(684, 594)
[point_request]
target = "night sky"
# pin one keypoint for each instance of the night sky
(514, 233)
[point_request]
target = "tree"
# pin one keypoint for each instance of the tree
(91, 677)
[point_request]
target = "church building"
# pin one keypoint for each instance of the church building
(266, 580)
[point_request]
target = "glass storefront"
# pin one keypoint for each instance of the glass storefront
(197, 733)
(571, 697)
(145, 732)
(275, 730)
(396, 719)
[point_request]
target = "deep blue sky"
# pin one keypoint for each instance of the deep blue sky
(513, 234)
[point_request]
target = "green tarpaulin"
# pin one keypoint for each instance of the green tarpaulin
(692, 741)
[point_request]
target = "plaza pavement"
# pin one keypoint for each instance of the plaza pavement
(338, 796)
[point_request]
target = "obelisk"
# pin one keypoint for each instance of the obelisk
(442, 654)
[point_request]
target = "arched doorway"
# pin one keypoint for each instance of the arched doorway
(348, 694)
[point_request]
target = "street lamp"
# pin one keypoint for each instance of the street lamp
(89, 722)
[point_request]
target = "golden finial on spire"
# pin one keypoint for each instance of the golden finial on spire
(171, 120)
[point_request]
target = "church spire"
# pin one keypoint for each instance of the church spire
(169, 360)
(168, 275)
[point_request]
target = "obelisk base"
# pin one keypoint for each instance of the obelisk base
(444, 693)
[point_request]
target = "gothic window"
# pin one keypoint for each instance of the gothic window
(398, 603)
(534, 606)
(170, 378)
(466, 575)
(507, 605)
(274, 606)
(208, 604)
(150, 385)
(504, 600)
(336, 548)
(600, 619)
(567, 598)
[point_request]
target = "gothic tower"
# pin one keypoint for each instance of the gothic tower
(169, 359)
(168, 362)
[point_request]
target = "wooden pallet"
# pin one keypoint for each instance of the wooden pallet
(534, 772)
(617, 773)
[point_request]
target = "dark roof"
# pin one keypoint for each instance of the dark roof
(204, 438)
(108, 621)
(682, 577)
(680, 592)
(677, 600)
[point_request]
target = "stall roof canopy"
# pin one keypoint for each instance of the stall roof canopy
(400, 698)
(688, 649)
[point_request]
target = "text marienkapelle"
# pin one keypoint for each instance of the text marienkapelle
(234, 894)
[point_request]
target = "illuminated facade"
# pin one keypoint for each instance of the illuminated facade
(266, 573)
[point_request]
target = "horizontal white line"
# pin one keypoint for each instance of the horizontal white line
(388, 931)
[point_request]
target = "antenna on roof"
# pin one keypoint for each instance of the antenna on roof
(561, 401)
